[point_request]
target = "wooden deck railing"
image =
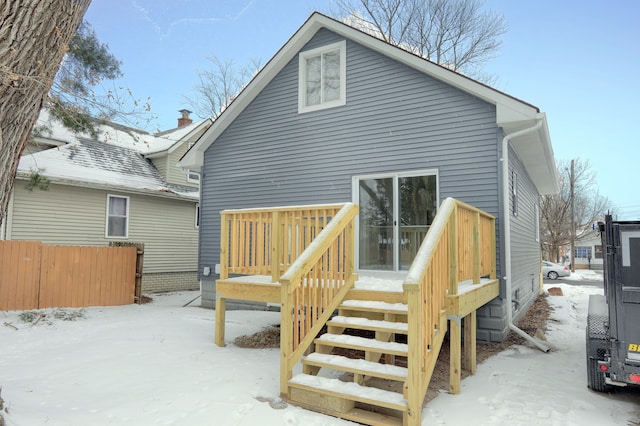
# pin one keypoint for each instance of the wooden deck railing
(459, 246)
(313, 286)
(249, 245)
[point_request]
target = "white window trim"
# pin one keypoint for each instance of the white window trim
(537, 225)
(106, 225)
(196, 222)
(302, 81)
(189, 179)
(395, 176)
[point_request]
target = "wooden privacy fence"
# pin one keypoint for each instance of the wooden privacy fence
(35, 275)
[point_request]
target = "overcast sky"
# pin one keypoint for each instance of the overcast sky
(577, 60)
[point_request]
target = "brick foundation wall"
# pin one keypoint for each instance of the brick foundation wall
(170, 281)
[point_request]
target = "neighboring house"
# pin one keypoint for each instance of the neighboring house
(124, 186)
(338, 115)
(588, 250)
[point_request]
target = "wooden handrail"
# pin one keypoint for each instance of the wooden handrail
(313, 287)
(459, 246)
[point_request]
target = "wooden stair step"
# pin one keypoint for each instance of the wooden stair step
(356, 366)
(349, 391)
(368, 324)
(362, 344)
(375, 306)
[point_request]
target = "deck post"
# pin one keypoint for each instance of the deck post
(453, 252)
(416, 357)
(454, 355)
(221, 306)
(469, 357)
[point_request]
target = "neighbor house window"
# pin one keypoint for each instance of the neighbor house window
(193, 176)
(117, 216)
(598, 252)
(514, 193)
(197, 222)
(582, 252)
(322, 77)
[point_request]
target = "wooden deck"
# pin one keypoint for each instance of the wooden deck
(302, 258)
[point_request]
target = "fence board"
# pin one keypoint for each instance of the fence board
(19, 274)
(34, 275)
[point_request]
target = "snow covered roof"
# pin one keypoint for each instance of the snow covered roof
(98, 164)
(119, 135)
(512, 115)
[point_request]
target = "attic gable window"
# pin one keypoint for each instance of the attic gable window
(322, 77)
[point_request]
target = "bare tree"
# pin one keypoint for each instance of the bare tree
(555, 210)
(219, 85)
(457, 34)
(34, 37)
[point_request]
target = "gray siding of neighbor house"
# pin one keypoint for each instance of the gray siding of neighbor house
(396, 119)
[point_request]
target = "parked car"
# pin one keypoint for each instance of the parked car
(553, 270)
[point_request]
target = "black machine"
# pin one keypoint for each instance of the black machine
(613, 322)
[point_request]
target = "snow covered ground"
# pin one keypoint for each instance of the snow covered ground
(156, 364)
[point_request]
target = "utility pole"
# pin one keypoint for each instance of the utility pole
(573, 220)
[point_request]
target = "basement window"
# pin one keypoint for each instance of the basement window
(322, 77)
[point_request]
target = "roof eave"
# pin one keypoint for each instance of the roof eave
(111, 187)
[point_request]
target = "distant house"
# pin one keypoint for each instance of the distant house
(124, 186)
(588, 250)
(339, 116)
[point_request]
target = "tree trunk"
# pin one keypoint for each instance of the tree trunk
(34, 36)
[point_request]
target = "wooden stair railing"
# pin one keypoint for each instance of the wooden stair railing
(313, 287)
(459, 246)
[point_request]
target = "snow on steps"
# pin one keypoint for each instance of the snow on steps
(375, 306)
(368, 324)
(362, 344)
(356, 366)
(350, 391)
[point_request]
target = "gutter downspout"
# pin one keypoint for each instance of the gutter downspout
(507, 231)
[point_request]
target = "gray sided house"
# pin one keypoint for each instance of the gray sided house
(124, 186)
(338, 115)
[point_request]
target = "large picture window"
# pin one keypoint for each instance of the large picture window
(582, 252)
(322, 77)
(117, 217)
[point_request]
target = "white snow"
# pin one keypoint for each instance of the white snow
(370, 304)
(157, 364)
(400, 326)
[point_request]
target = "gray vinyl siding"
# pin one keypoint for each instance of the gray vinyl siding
(525, 250)
(395, 119)
(77, 216)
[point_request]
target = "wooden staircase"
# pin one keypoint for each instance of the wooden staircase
(358, 370)
(372, 362)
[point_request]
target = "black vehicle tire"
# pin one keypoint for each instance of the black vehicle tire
(595, 378)
(553, 275)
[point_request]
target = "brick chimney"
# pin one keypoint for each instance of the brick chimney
(184, 120)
